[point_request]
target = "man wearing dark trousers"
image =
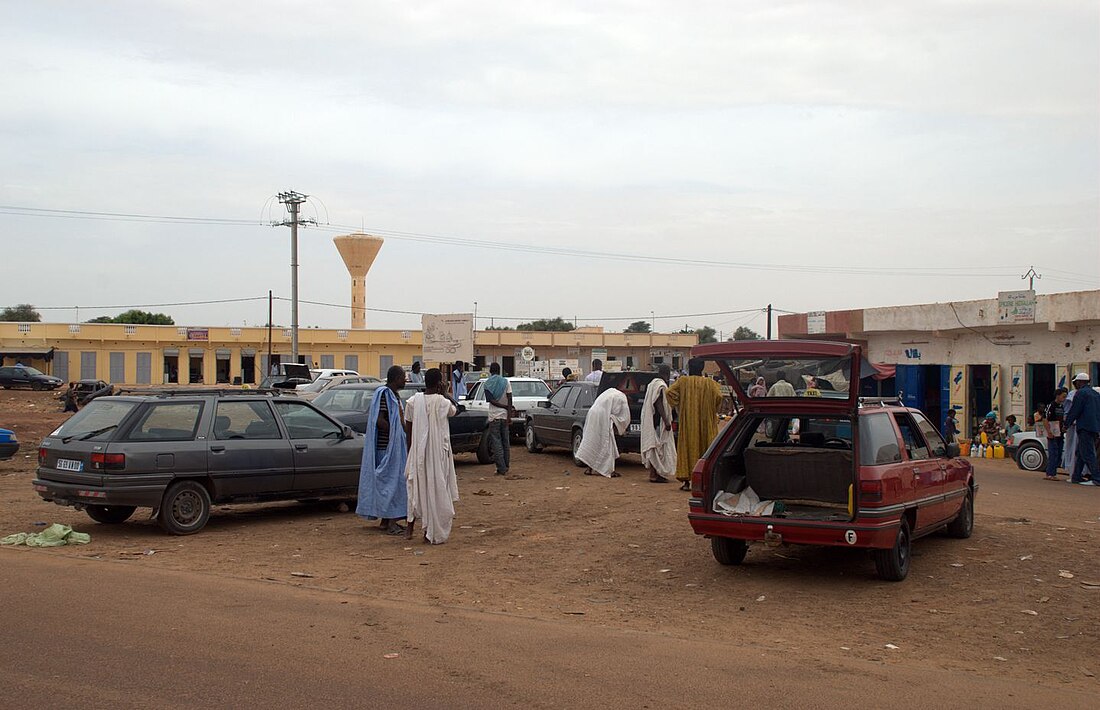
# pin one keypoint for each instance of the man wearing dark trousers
(498, 392)
(1085, 413)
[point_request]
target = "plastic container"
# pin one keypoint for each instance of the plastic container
(998, 450)
(964, 447)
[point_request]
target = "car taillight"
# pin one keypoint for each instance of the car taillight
(108, 462)
(870, 491)
(42, 455)
(697, 479)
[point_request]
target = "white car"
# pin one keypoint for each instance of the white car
(1029, 450)
(527, 392)
(322, 381)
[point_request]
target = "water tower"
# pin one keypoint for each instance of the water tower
(358, 252)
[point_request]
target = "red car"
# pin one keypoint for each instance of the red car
(812, 463)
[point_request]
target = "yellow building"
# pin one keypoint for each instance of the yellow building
(155, 354)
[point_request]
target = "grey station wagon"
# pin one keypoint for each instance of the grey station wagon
(181, 451)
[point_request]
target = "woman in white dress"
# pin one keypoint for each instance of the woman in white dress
(430, 471)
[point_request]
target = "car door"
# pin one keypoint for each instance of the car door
(928, 472)
(323, 458)
(551, 421)
(476, 399)
(248, 452)
(954, 470)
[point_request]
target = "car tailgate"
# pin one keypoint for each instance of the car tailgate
(69, 463)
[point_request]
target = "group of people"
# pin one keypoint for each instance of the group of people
(1071, 425)
(696, 399)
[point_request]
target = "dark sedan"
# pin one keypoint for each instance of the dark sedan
(560, 422)
(349, 404)
(24, 376)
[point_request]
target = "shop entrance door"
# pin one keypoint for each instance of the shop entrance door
(1040, 385)
(980, 397)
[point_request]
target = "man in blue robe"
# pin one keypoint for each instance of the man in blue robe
(385, 450)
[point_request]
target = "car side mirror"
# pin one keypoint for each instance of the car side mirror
(545, 404)
(953, 450)
(346, 432)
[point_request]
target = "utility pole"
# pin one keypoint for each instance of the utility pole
(769, 321)
(293, 201)
(269, 308)
(1031, 275)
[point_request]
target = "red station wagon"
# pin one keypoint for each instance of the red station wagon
(812, 463)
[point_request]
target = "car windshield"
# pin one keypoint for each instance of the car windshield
(783, 377)
(315, 386)
(527, 388)
(32, 371)
(100, 415)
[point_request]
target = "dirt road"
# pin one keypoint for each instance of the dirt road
(583, 561)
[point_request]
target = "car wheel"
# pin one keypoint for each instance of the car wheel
(728, 551)
(184, 509)
(1032, 457)
(110, 514)
(484, 456)
(531, 439)
(893, 564)
(963, 524)
(577, 436)
(36, 386)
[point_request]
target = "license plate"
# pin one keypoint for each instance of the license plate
(69, 465)
(635, 428)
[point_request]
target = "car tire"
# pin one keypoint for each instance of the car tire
(1031, 457)
(728, 551)
(484, 455)
(578, 435)
(893, 564)
(531, 439)
(110, 514)
(36, 386)
(184, 509)
(963, 524)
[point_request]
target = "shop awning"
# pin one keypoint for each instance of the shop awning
(171, 352)
(28, 353)
(877, 370)
(196, 352)
(222, 353)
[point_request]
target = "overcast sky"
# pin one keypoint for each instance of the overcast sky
(955, 138)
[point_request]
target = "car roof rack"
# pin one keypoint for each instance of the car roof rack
(881, 401)
(195, 391)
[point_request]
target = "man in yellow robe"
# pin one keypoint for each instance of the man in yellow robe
(697, 399)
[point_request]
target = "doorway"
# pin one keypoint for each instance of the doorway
(508, 365)
(221, 372)
(172, 369)
(248, 369)
(1041, 382)
(195, 367)
(981, 395)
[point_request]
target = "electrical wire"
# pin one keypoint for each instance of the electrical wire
(152, 305)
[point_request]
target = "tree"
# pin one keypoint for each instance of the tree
(638, 326)
(558, 324)
(745, 333)
(23, 313)
(499, 327)
(706, 334)
(136, 317)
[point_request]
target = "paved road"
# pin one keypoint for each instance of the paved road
(108, 634)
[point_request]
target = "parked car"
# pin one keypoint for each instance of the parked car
(321, 384)
(180, 452)
(24, 376)
(560, 420)
(869, 474)
(349, 404)
(9, 444)
(287, 376)
(1030, 450)
(527, 392)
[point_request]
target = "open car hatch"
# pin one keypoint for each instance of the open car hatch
(821, 376)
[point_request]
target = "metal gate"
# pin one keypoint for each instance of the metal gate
(61, 365)
(385, 362)
(328, 362)
(87, 366)
(118, 367)
(351, 362)
(144, 368)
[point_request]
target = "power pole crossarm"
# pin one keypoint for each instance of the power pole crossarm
(1031, 275)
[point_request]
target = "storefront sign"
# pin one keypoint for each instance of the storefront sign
(1016, 307)
(815, 322)
(198, 334)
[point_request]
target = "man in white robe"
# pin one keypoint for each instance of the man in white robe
(610, 414)
(430, 470)
(658, 444)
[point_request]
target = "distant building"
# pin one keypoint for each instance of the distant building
(1001, 355)
(156, 354)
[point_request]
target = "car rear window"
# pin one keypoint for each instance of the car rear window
(166, 421)
(530, 389)
(101, 415)
(782, 377)
(355, 400)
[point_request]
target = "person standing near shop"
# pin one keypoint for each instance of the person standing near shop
(415, 377)
(1052, 427)
(498, 393)
(1084, 415)
(697, 398)
(458, 382)
(950, 426)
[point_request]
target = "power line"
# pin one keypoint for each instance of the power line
(151, 305)
(530, 248)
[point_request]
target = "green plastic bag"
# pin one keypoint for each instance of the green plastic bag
(55, 535)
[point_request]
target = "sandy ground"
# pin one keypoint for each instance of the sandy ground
(548, 543)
